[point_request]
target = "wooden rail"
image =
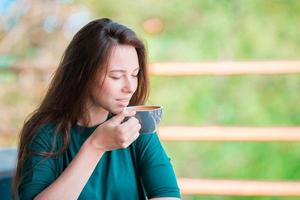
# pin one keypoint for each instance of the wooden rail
(190, 69)
(216, 133)
(225, 68)
(238, 187)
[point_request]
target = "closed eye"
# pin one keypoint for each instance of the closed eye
(116, 78)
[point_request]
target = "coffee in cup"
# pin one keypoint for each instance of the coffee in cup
(149, 117)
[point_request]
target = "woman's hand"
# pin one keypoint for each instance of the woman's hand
(113, 134)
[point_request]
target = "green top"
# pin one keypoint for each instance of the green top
(141, 171)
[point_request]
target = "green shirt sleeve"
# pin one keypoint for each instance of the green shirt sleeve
(38, 171)
(155, 168)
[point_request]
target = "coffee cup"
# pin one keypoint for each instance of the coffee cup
(149, 117)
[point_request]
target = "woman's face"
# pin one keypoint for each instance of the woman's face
(121, 80)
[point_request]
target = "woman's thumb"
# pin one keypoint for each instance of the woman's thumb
(118, 119)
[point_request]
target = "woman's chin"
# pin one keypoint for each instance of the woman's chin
(118, 109)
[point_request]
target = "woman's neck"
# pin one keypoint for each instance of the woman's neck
(95, 115)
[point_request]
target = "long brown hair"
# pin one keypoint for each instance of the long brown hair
(87, 54)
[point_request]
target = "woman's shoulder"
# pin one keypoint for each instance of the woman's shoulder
(45, 136)
(45, 131)
(46, 128)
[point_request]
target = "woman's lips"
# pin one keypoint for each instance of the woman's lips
(123, 102)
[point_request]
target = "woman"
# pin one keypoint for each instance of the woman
(77, 145)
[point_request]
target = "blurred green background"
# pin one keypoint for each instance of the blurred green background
(194, 30)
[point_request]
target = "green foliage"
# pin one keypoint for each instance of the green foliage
(212, 29)
(223, 100)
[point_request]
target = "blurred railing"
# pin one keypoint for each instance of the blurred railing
(191, 186)
(189, 69)
(238, 134)
(225, 68)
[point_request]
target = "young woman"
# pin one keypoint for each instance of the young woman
(77, 145)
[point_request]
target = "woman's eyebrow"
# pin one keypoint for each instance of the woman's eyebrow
(122, 70)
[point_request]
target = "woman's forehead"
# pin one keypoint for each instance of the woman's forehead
(123, 58)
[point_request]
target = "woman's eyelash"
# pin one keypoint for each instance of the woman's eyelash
(120, 77)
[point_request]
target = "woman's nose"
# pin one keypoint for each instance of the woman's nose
(129, 86)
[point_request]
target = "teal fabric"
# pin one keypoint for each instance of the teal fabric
(141, 171)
